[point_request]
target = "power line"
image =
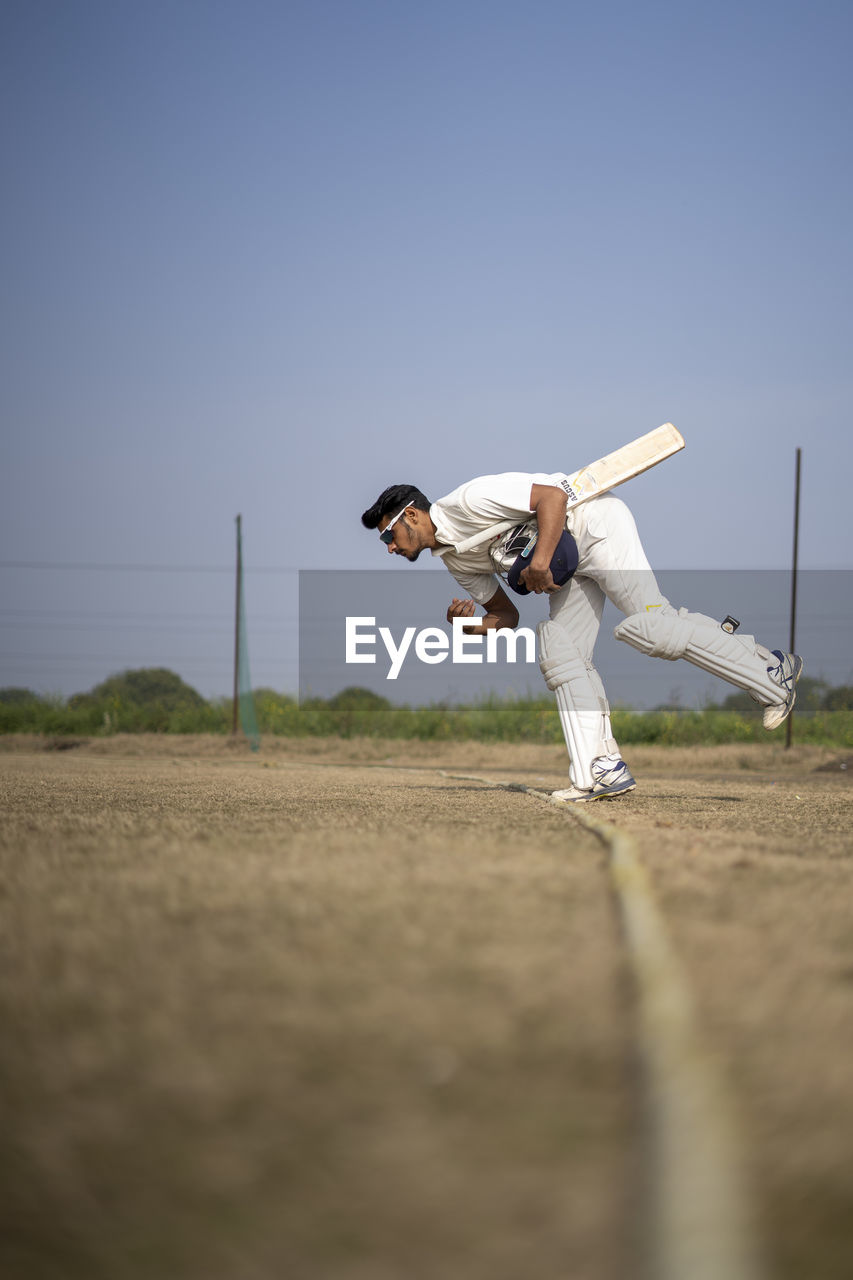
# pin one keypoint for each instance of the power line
(86, 566)
(145, 616)
(147, 660)
(157, 627)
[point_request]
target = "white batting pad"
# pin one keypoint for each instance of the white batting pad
(670, 633)
(581, 701)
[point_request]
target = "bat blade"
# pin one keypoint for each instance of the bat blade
(623, 464)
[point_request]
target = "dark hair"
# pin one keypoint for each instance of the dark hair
(396, 498)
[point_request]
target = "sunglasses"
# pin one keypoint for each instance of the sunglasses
(386, 535)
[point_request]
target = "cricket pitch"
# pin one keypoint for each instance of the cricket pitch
(328, 1013)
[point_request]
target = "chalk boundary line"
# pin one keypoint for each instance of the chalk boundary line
(700, 1222)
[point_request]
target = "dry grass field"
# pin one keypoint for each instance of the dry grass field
(333, 1012)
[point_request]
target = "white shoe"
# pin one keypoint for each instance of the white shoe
(608, 782)
(785, 674)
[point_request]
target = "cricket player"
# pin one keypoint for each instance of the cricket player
(517, 524)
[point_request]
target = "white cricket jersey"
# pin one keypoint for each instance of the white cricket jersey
(473, 507)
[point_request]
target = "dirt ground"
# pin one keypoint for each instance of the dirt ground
(329, 1012)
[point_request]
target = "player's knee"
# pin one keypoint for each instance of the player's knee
(660, 632)
(560, 661)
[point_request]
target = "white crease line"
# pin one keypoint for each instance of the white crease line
(700, 1224)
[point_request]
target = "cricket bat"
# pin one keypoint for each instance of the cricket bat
(599, 477)
(623, 464)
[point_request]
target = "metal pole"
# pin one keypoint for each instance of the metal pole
(237, 625)
(789, 724)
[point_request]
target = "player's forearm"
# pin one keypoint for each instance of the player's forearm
(550, 508)
(500, 612)
(492, 622)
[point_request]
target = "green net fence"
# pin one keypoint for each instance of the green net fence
(245, 700)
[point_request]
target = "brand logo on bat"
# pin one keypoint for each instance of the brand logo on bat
(579, 485)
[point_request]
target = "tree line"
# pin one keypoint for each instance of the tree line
(156, 700)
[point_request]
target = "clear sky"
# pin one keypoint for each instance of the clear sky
(270, 257)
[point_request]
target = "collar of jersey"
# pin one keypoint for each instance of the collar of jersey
(445, 541)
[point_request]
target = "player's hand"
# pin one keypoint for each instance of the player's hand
(538, 580)
(460, 609)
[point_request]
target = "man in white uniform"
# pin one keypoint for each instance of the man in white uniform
(477, 530)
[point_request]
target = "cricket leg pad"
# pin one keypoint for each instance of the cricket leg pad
(674, 633)
(581, 702)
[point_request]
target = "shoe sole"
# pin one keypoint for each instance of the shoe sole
(612, 794)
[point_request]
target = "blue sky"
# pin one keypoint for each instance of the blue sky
(270, 257)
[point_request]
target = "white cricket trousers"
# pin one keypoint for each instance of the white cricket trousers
(612, 565)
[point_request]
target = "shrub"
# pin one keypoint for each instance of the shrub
(839, 699)
(14, 697)
(145, 687)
